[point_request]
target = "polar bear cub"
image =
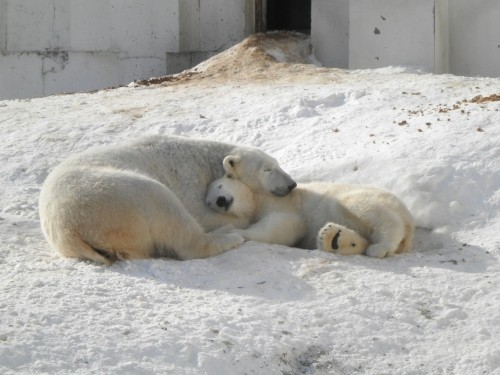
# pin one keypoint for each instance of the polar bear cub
(341, 218)
(146, 199)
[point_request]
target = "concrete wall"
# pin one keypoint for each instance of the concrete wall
(475, 37)
(330, 32)
(442, 36)
(209, 26)
(54, 46)
(383, 32)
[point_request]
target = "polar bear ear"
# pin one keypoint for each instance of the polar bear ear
(230, 163)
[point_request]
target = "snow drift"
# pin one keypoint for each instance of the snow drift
(431, 139)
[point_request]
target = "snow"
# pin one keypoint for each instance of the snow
(268, 309)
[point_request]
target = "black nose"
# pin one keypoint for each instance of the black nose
(221, 202)
(292, 186)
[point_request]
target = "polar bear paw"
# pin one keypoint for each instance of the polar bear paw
(223, 242)
(335, 238)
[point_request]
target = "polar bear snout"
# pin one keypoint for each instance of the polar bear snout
(220, 196)
(230, 196)
(284, 190)
(224, 202)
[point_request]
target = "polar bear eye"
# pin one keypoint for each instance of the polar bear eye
(353, 245)
(267, 170)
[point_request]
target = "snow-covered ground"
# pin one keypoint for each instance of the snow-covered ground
(267, 309)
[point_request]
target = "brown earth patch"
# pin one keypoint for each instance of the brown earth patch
(265, 57)
(485, 99)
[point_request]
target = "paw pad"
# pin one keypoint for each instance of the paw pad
(335, 238)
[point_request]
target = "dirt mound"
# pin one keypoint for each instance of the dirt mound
(274, 56)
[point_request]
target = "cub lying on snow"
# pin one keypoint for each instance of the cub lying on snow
(145, 199)
(341, 218)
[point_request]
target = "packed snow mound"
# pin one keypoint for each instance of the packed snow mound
(433, 140)
(278, 55)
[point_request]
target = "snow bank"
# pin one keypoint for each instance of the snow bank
(264, 308)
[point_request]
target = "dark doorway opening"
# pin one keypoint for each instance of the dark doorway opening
(293, 15)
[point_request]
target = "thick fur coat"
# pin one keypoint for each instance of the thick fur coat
(373, 221)
(146, 199)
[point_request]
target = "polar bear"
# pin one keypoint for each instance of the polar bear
(146, 199)
(342, 218)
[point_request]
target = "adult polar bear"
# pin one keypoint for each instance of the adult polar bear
(343, 218)
(146, 199)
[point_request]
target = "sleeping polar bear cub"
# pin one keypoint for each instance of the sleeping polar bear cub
(342, 218)
(146, 199)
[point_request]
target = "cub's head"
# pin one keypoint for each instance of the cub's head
(230, 196)
(259, 171)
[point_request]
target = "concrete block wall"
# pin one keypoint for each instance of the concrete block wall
(441, 36)
(208, 27)
(54, 46)
(386, 31)
(222, 24)
(474, 47)
(330, 32)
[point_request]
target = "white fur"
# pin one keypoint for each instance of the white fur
(146, 199)
(373, 214)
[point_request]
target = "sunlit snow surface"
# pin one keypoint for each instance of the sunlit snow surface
(267, 309)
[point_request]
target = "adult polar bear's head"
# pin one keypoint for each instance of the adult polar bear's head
(258, 171)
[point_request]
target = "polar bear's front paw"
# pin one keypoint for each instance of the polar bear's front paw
(335, 238)
(225, 242)
(224, 229)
